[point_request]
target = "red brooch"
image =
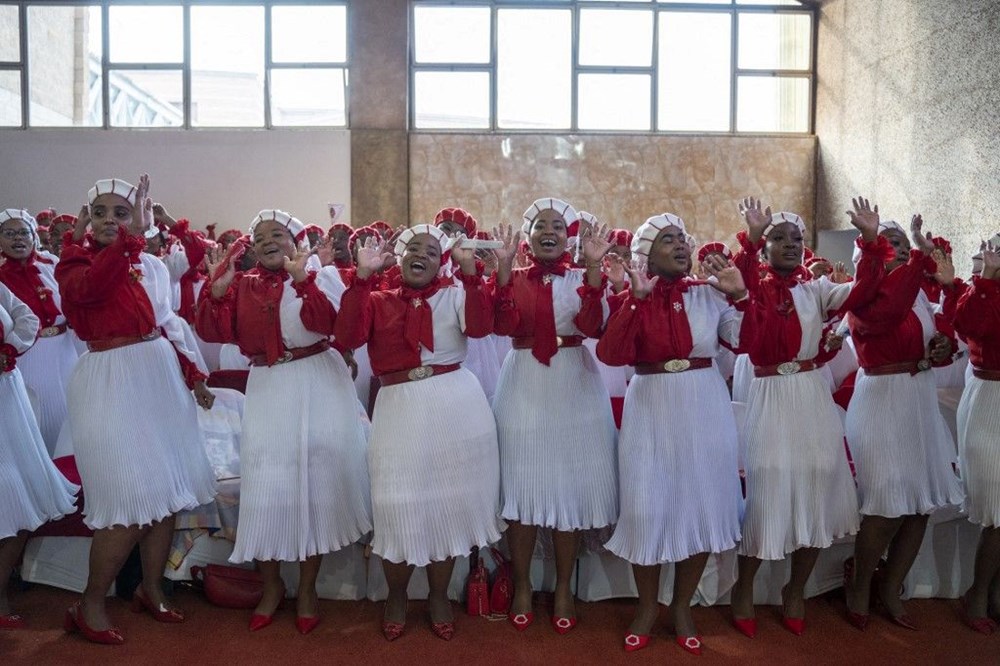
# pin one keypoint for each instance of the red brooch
(134, 274)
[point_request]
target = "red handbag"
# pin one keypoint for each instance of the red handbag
(477, 597)
(502, 592)
(230, 587)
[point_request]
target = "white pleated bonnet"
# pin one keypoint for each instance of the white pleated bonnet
(568, 213)
(779, 218)
(117, 186)
(651, 228)
(293, 224)
(19, 214)
(416, 230)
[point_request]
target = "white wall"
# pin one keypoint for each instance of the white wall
(222, 176)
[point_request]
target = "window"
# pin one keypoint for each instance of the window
(613, 65)
(173, 63)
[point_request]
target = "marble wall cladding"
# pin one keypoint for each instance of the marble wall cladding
(379, 63)
(378, 176)
(623, 179)
(908, 113)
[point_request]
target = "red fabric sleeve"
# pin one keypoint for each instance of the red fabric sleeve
(194, 249)
(977, 314)
(750, 324)
(868, 276)
(84, 277)
(893, 302)
(317, 314)
(215, 320)
(620, 341)
(506, 317)
(478, 306)
(354, 323)
(192, 375)
(747, 259)
(590, 318)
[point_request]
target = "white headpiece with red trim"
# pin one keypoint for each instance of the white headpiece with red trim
(293, 224)
(19, 214)
(647, 232)
(781, 218)
(122, 188)
(416, 230)
(568, 213)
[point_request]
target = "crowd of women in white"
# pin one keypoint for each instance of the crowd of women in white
(538, 431)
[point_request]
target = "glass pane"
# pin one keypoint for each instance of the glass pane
(227, 66)
(146, 34)
(791, 3)
(616, 37)
(699, 2)
(308, 97)
(309, 34)
(534, 52)
(146, 98)
(10, 98)
(452, 100)
(774, 41)
(772, 104)
(694, 77)
(10, 34)
(65, 91)
(452, 34)
(614, 101)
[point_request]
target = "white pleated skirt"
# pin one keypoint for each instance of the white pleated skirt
(481, 360)
(32, 490)
(902, 447)
(435, 470)
(138, 447)
(742, 377)
(46, 369)
(800, 493)
(679, 476)
(558, 459)
(303, 458)
(979, 450)
(363, 382)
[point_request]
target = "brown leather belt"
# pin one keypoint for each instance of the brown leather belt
(988, 375)
(786, 368)
(672, 366)
(910, 367)
(125, 341)
(52, 331)
(528, 342)
(293, 354)
(416, 374)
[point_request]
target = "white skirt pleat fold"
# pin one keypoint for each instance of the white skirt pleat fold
(46, 369)
(303, 457)
(138, 446)
(435, 470)
(902, 448)
(979, 450)
(679, 477)
(481, 360)
(799, 488)
(558, 459)
(32, 490)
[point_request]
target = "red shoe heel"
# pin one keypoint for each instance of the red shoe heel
(306, 624)
(392, 630)
(74, 622)
(12, 621)
(982, 625)
(858, 620)
(522, 621)
(634, 642)
(690, 644)
(746, 626)
(161, 613)
(563, 625)
(796, 625)
(443, 630)
(258, 621)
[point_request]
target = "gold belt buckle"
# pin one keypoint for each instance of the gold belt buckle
(923, 364)
(152, 335)
(49, 332)
(284, 358)
(677, 365)
(559, 341)
(423, 372)
(789, 368)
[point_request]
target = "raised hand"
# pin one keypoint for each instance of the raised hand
(945, 273)
(991, 261)
(642, 284)
(222, 266)
(921, 241)
(372, 257)
(728, 278)
(839, 274)
(511, 239)
(324, 250)
(161, 216)
(614, 267)
(464, 256)
(757, 219)
(82, 222)
(595, 244)
(142, 211)
(296, 266)
(864, 218)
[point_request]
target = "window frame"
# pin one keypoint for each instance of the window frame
(656, 8)
(184, 66)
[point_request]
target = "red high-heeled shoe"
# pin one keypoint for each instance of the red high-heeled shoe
(746, 626)
(160, 613)
(74, 622)
(563, 625)
(392, 630)
(635, 642)
(12, 621)
(306, 624)
(858, 620)
(443, 630)
(690, 644)
(522, 621)
(983, 625)
(259, 620)
(796, 625)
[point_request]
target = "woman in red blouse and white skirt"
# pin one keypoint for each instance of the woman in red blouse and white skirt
(557, 435)
(137, 469)
(677, 451)
(434, 463)
(305, 489)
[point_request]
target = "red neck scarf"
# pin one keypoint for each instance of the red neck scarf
(545, 345)
(678, 329)
(187, 283)
(776, 296)
(265, 288)
(22, 278)
(419, 326)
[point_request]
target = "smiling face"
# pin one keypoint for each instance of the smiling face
(16, 239)
(900, 244)
(341, 248)
(670, 255)
(107, 213)
(548, 236)
(272, 243)
(784, 247)
(420, 261)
